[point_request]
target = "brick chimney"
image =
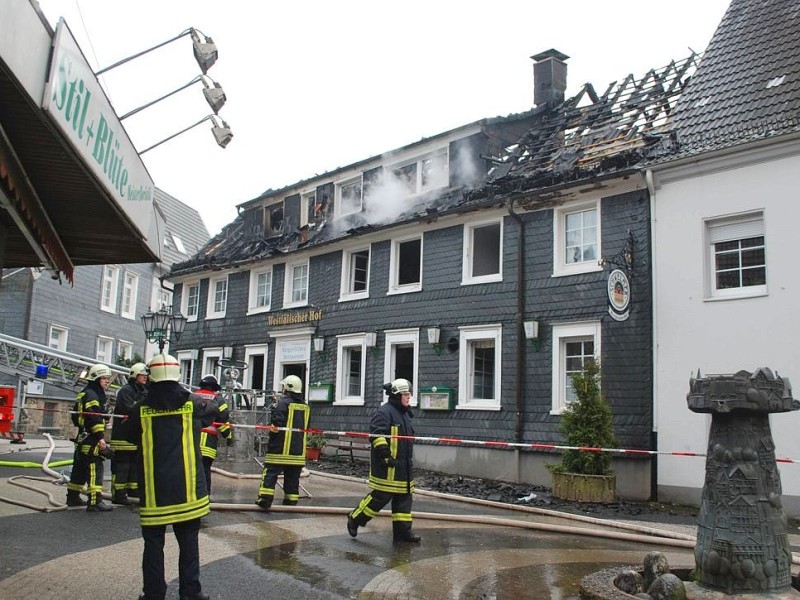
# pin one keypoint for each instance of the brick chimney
(549, 77)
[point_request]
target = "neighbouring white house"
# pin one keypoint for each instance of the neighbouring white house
(724, 210)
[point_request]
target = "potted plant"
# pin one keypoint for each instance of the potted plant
(585, 475)
(315, 442)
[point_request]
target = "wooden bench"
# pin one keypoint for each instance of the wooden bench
(349, 444)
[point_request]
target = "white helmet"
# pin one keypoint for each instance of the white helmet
(138, 369)
(400, 386)
(97, 371)
(292, 383)
(164, 367)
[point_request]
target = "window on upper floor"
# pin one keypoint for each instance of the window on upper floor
(310, 209)
(190, 300)
(577, 238)
(217, 297)
(351, 357)
(130, 291)
(260, 296)
(178, 244)
(479, 367)
(273, 219)
(108, 290)
(57, 337)
(355, 274)
(296, 284)
(163, 299)
(483, 252)
(104, 353)
(186, 361)
(349, 196)
(574, 344)
(124, 350)
(405, 265)
(423, 174)
(737, 260)
(400, 361)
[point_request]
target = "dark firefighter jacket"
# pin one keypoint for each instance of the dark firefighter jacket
(216, 422)
(123, 437)
(172, 485)
(90, 404)
(392, 419)
(288, 447)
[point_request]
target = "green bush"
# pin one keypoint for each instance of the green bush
(586, 422)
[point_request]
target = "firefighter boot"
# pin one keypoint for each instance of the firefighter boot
(264, 502)
(74, 499)
(402, 533)
(99, 507)
(352, 526)
(120, 497)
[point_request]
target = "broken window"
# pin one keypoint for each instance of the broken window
(426, 173)
(313, 211)
(406, 265)
(350, 196)
(273, 220)
(407, 177)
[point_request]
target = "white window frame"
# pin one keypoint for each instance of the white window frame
(560, 266)
(130, 293)
(109, 283)
(401, 337)
(250, 351)
(731, 228)
(338, 206)
(252, 307)
(187, 285)
(419, 185)
(125, 349)
(561, 334)
(305, 198)
(394, 265)
(469, 334)
(211, 310)
(469, 253)
(211, 358)
(63, 334)
(288, 283)
(343, 343)
(163, 299)
(100, 356)
(346, 292)
(190, 356)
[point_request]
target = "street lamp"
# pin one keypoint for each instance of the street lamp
(222, 133)
(160, 324)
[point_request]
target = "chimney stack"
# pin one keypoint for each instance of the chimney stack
(549, 77)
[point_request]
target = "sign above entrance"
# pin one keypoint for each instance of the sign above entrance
(312, 316)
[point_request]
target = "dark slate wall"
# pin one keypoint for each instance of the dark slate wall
(15, 293)
(443, 301)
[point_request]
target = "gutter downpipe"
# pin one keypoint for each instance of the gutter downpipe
(521, 349)
(651, 189)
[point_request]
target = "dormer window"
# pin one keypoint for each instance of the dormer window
(273, 220)
(349, 196)
(422, 174)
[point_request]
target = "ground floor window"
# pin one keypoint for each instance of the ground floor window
(574, 344)
(350, 367)
(480, 367)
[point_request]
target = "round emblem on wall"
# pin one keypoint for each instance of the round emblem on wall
(619, 290)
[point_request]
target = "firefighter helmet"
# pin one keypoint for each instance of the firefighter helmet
(97, 371)
(400, 386)
(292, 383)
(164, 367)
(209, 382)
(138, 369)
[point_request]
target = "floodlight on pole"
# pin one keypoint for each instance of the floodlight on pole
(215, 96)
(205, 51)
(222, 133)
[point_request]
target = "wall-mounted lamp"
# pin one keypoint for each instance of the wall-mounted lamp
(371, 341)
(319, 344)
(222, 133)
(433, 338)
(227, 352)
(532, 332)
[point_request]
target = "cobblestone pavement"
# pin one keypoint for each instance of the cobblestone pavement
(467, 552)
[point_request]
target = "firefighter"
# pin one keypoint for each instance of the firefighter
(172, 485)
(91, 447)
(216, 422)
(123, 439)
(391, 463)
(286, 450)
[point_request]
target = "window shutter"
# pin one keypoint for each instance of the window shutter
(736, 229)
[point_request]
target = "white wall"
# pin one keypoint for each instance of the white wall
(729, 335)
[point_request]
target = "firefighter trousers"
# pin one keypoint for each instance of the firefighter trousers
(372, 504)
(155, 584)
(291, 482)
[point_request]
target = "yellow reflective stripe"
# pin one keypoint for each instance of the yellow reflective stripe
(262, 491)
(188, 445)
(147, 453)
(147, 519)
(380, 441)
(98, 428)
(155, 511)
(90, 404)
(283, 459)
(287, 435)
(393, 487)
(123, 445)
